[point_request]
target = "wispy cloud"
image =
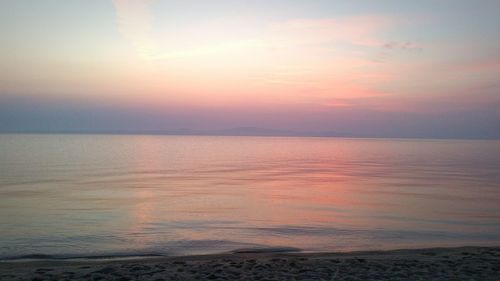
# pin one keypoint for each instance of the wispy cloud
(213, 49)
(296, 35)
(135, 21)
(402, 46)
(490, 64)
(357, 30)
(319, 60)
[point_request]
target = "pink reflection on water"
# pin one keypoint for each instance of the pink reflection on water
(215, 190)
(144, 204)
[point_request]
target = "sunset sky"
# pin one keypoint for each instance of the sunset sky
(368, 68)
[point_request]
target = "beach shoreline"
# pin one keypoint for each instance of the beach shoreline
(461, 263)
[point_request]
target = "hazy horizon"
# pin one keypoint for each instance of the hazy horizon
(249, 132)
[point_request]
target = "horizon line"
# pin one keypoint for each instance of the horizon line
(213, 134)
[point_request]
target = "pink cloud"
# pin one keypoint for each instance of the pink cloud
(361, 30)
(471, 98)
(489, 64)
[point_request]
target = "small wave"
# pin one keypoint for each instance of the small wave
(43, 257)
(133, 256)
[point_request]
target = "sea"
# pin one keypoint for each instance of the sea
(76, 196)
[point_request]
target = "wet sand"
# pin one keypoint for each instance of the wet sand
(466, 263)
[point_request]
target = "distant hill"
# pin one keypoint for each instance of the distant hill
(253, 131)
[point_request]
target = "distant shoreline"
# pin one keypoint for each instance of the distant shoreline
(471, 263)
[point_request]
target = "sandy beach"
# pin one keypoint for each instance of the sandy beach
(466, 263)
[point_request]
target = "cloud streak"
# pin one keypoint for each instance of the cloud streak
(135, 22)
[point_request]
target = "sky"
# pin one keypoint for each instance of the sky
(364, 68)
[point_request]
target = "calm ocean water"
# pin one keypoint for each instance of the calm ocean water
(81, 195)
